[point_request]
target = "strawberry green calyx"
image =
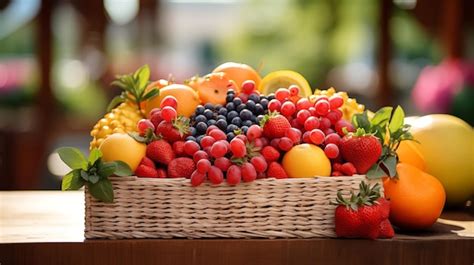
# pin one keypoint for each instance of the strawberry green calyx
(252, 151)
(367, 196)
(149, 136)
(181, 123)
(267, 117)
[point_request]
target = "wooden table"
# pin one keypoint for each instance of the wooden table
(46, 227)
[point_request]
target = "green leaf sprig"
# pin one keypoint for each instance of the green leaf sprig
(388, 126)
(92, 172)
(134, 86)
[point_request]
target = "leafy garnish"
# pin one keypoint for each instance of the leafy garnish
(92, 172)
(134, 86)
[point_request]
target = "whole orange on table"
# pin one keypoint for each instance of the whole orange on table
(416, 198)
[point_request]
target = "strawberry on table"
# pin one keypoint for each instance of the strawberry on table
(364, 215)
(361, 149)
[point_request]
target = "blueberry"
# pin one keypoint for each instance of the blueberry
(208, 113)
(230, 91)
(229, 98)
(259, 118)
(237, 101)
(200, 109)
(221, 117)
(245, 114)
(244, 129)
(201, 127)
(271, 96)
(247, 123)
(231, 128)
(191, 138)
(209, 106)
(240, 107)
(259, 109)
(250, 105)
(200, 118)
(211, 122)
(230, 136)
(222, 111)
(236, 121)
(218, 107)
(222, 124)
(253, 119)
(231, 115)
(199, 138)
(192, 131)
(264, 103)
(254, 97)
(230, 106)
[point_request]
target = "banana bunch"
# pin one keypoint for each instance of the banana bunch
(350, 106)
(124, 117)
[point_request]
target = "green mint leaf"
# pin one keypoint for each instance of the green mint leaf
(114, 102)
(106, 169)
(142, 75)
(84, 175)
(72, 180)
(152, 93)
(363, 121)
(102, 190)
(72, 157)
(390, 163)
(382, 116)
(397, 120)
(94, 178)
(94, 156)
(376, 172)
(122, 169)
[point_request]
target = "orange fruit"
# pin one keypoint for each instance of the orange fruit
(212, 88)
(239, 73)
(416, 198)
(409, 152)
(306, 161)
(187, 98)
(121, 146)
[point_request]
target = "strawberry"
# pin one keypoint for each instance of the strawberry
(178, 148)
(270, 153)
(181, 167)
(161, 173)
(144, 171)
(275, 170)
(160, 151)
(361, 215)
(362, 150)
(274, 125)
(336, 173)
(386, 229)
(147, 162)
(173, 131)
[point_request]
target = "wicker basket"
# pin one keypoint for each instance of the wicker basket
(171, 208)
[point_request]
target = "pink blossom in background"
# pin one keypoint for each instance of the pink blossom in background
(437, 85)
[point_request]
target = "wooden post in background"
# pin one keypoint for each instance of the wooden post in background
(384, 93)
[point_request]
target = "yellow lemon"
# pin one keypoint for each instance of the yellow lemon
(121, 146)
(284, 78)
(306, 161)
